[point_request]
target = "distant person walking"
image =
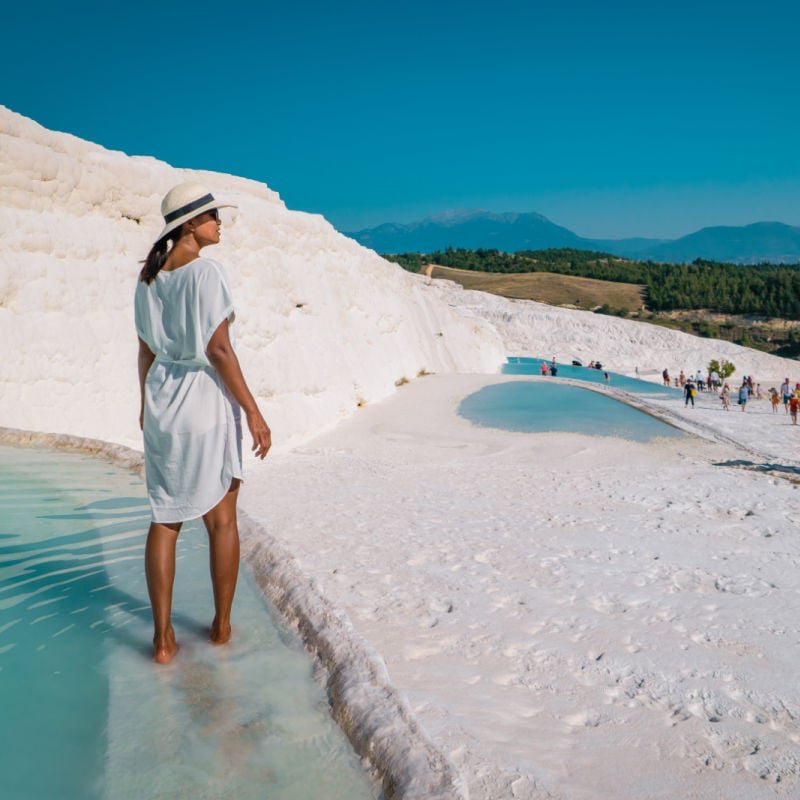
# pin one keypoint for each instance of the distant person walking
(700, 381)
(192, 391)
(665, 377)
(689, 391)
(543, 369)
(794, 402)
(786, 394)
(744, 395)
(725, 394)
(774, 399)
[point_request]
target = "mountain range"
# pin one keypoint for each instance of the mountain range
(747, 244)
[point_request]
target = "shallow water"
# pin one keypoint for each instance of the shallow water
(86, 714)
(537, 407)
(519, 365)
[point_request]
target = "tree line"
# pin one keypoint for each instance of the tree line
(772, 290)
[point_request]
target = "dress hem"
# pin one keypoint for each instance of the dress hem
(197, 515)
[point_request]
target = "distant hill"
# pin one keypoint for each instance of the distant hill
(748, 244)
(510, 232)
(469, 229)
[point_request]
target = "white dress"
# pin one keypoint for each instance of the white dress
(192, 425)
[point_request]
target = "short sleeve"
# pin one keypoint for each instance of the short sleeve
(141, 315)
(214, 301)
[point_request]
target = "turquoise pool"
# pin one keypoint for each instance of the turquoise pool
(519, 365)
(539, 406)
(85, 712)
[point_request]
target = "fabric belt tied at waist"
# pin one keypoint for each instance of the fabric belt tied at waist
(189, 363)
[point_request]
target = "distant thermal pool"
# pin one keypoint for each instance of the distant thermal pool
(538, 407)
(519, 365)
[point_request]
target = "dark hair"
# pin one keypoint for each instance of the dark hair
(158, 255)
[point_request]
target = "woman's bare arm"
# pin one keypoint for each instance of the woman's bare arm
(146, 358)
(221, 354)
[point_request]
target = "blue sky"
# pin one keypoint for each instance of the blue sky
(613, 119)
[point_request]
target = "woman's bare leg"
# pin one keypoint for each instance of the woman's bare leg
(223, 538)
(159, 567)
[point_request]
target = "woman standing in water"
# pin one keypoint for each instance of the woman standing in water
(192, 390)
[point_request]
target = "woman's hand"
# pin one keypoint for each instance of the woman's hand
(259, 430)
(223, 358)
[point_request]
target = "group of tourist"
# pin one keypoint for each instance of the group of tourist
(790, 397)
(748, 389)
(549, 369)
(552, 368)
(709, 382)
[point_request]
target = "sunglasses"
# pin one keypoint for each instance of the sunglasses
(214, 214)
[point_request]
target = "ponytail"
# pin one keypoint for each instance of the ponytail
(157, 256)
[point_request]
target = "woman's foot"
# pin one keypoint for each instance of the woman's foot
(220, 632)
(165, 647)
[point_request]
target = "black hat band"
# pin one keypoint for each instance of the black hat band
(188, 208)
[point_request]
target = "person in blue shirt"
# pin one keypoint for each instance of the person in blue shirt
(744, 394)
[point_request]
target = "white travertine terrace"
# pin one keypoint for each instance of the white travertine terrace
(324, 325)
(498, 615)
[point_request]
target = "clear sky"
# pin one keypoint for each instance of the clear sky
(612, 118)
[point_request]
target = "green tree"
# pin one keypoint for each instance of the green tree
(723, 368)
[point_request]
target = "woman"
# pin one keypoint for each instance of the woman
(192, 389)
(725, 394)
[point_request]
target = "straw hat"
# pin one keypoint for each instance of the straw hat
(184, 202)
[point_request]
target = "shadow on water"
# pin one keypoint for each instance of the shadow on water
(55, 594)
(48, 569)
(85, 713)
(58, 605)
